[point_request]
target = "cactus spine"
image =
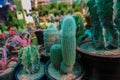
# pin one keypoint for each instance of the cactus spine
(56, 55)
(68, 39)
(51, 36)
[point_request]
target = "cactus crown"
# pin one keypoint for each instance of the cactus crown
(70, 25)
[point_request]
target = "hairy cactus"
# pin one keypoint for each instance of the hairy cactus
(68, 39)
(29, 57)
(56, 55)
(51, 36)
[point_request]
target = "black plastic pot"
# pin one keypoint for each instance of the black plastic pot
(43, 58)
(100, 67)
(9, 75)
(39, 35)
(42, 77)
(51, 78)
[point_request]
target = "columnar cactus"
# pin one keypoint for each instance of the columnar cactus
(117, 17)
(98, 37)
(103, 10)
(51, 36)
(29, 57)
(68, 43)
(56, 55)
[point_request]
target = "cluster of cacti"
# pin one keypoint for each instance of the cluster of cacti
(29, 57)
(51, 36)
(67, 48)
(102, 18)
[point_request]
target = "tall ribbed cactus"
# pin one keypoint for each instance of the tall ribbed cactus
(97, 29)
(117, 17)
(56, 55)
(105, 12)
(105, 33)
(51, 36)
(68, 43)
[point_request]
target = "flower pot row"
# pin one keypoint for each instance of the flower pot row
(45, 74)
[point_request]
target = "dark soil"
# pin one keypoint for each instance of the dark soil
(89, 48)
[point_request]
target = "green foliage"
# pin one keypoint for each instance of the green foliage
(29, 57)
(37, 21)
(56, 55)
(18, 4)
(2, 27)
(61, 8)
(80, 26)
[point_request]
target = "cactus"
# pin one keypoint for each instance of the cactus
(29, 57)
(117, 17)
(51, 36)
(105, 12)
(66, 69)
(56, 55)
(102, 19)
(117, 13)
(98, 37)
(68, 38)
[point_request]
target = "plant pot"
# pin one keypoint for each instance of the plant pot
(41, 77)
(50, 77)
(9, 73)
(44, 57)
(39, 35)
(100, 67)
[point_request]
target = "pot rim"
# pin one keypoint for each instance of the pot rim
(51, 78)
(21, 67)
(94, 55)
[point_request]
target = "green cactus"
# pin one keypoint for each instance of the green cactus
(56, 55)
(65, 69)
(98, 37)
(117, 17)
(29, 57)
(51, 36)
(68, 39)
(105, 12)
